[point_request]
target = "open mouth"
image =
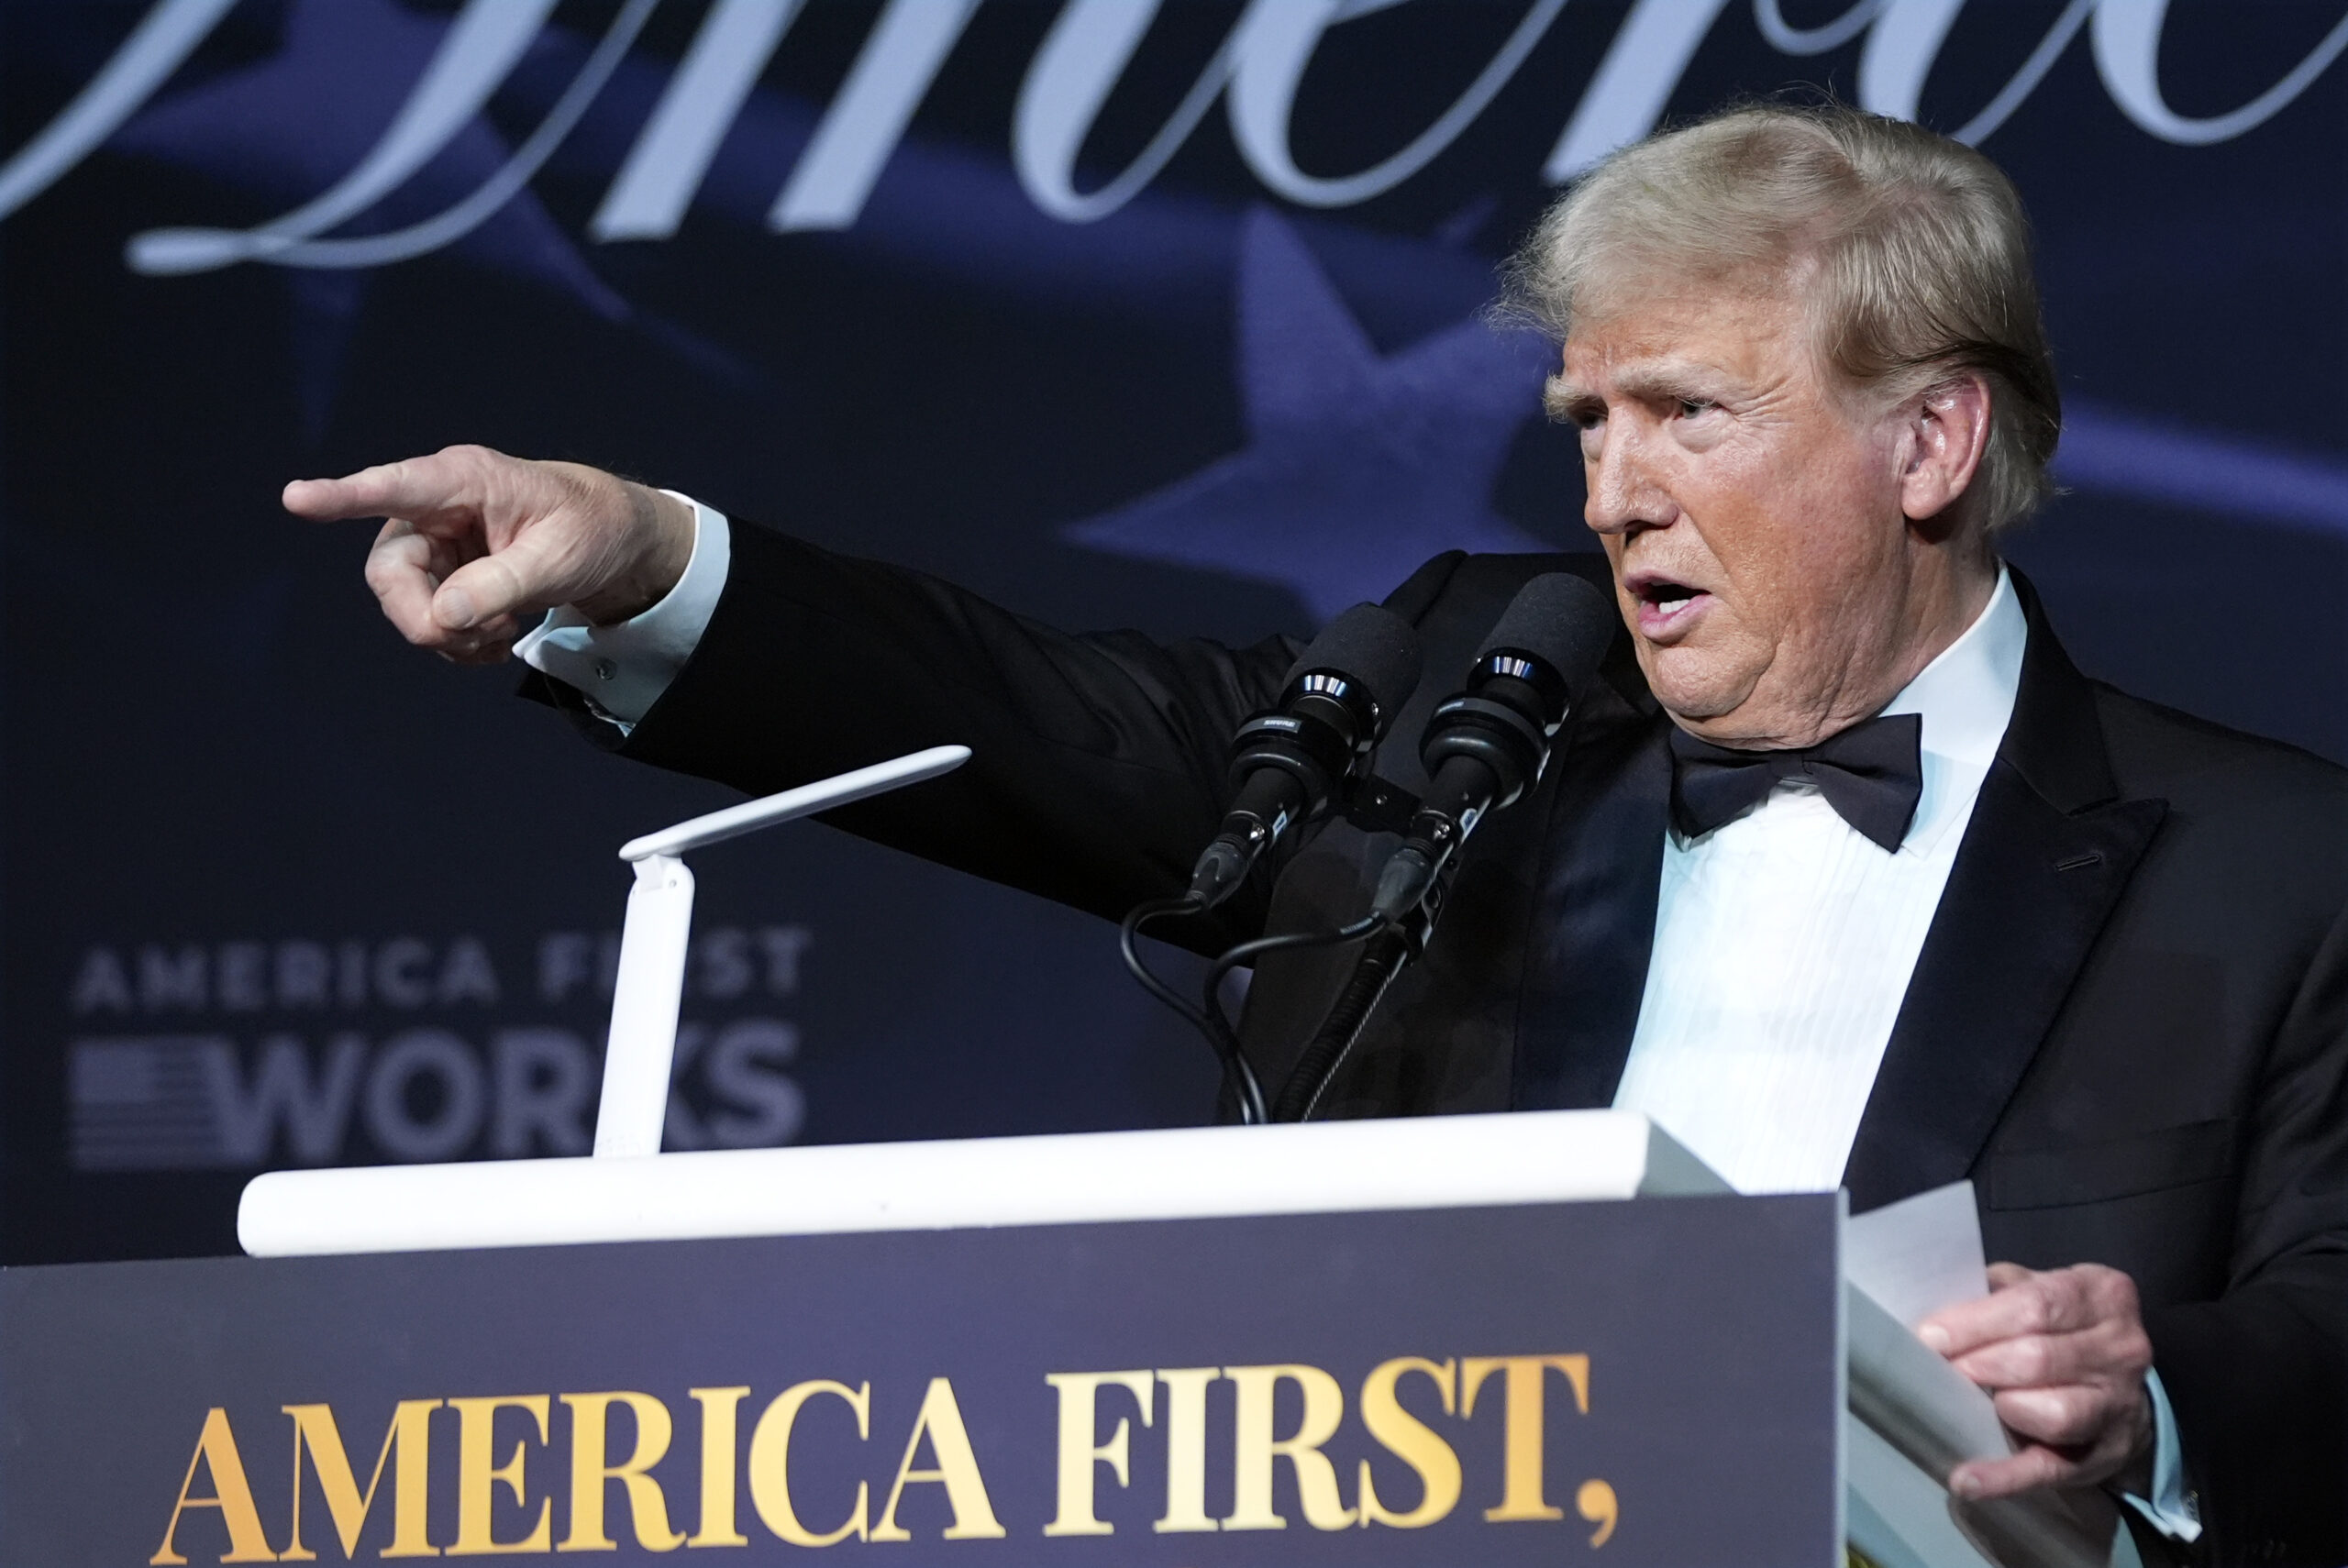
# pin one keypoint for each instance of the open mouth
(1665, 605)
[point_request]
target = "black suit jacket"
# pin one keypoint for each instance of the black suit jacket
(2129, 1023)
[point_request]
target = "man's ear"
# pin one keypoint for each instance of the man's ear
(1949, 431)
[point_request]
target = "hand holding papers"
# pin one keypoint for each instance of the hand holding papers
(1916, 1418)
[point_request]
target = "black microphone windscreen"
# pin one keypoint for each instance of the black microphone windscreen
(1561, 619)
(1375, 647)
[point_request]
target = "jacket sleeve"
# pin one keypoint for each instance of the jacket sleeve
(2259, 1377)
(1097, 761)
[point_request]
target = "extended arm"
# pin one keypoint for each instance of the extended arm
(1098, 767)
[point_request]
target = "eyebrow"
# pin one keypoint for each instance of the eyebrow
(1653, 382)
(1560, 397)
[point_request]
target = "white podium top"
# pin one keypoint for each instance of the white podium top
(1186, 1173)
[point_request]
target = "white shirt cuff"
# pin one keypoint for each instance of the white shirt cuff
(623, 669)
(2171, 1509)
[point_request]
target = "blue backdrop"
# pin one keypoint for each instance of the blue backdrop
(1123, 313)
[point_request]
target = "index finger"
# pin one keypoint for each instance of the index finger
(411, 488)
(2035, 1304)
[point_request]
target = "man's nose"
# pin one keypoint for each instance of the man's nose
(1624, 493)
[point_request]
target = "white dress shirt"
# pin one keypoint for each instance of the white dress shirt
(1784, 941)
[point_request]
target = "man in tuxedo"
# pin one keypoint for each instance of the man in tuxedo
(1842, 872)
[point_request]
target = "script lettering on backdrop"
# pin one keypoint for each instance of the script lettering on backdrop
(510, 1505)
(1256, 72)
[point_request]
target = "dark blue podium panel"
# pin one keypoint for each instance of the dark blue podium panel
(1648, 1383)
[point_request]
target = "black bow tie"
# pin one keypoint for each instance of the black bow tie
(1872, 774)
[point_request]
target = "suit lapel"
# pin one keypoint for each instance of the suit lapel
(2046, 856)
(2048, 852)
(1592, 926)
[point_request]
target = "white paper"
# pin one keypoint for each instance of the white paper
(1913, 1417)
(1920, 1255)
(1909, 1393)
(1906, 1261)
(1893, 1512)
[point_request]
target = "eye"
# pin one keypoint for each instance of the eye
(1689, 407)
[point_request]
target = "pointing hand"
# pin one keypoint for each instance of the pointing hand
(478, 543)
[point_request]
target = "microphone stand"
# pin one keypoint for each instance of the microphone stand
(1392, 948)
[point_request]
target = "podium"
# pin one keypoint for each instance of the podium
(1587, 1373)
(1493, 1339)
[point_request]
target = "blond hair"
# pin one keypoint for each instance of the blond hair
(1913, 251)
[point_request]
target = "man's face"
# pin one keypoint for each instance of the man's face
(1774, 588)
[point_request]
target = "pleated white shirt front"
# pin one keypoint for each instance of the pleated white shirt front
(1784, 941)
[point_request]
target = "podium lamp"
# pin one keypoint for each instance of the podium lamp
(651, 981)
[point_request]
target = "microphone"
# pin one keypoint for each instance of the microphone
(1486, 746)
(1335, 705)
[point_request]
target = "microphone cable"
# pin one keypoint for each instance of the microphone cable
(1221, 1031)
(1238, 1072)
(1322, 1058)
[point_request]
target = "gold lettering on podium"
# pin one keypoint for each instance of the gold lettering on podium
(1523, 1436)
(719, 1409)
(216, 1449)
(1412, 1441)
(477, 1480)
(410, 1433)
(591, 1473)
(1079, 1454)
(1254, 1450)
(1186, 1448)
(1411, 1435)
(771, 1463)
(958, 1471)
(1595, 1502)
